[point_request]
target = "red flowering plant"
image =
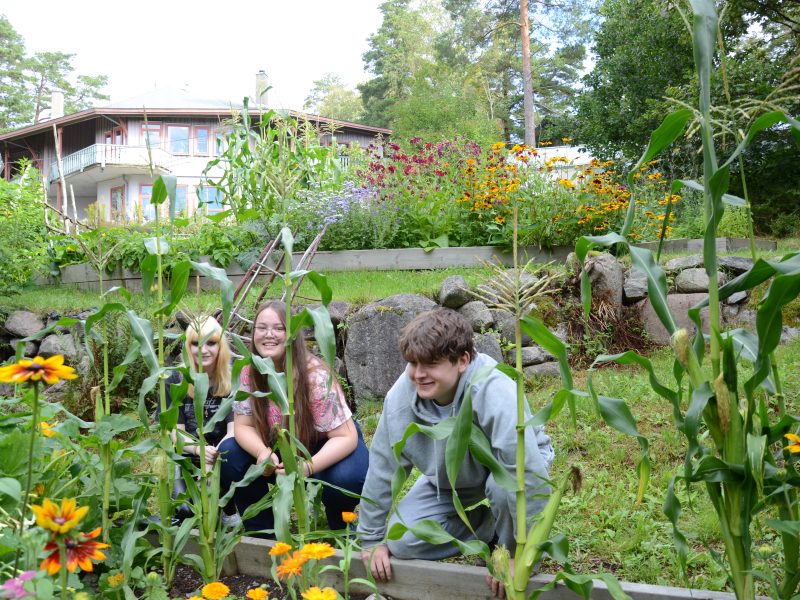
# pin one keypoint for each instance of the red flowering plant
(418, 184)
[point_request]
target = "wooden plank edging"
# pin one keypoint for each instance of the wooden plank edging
(84, 277)
(429, 580)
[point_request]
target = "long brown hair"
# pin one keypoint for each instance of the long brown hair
(303, 416)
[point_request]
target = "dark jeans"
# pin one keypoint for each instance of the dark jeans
(348, 473)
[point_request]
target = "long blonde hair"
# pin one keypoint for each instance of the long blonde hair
(220, 380)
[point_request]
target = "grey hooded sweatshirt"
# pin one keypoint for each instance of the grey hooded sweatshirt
(494, 411)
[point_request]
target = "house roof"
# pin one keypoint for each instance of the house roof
(172, 102)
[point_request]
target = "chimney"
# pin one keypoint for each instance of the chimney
(57, 104)
(262, 86)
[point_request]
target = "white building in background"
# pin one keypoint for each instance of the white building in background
(104, 150)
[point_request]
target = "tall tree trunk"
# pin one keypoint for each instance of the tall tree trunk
(527, 77)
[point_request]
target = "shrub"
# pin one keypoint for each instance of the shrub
(24, 249)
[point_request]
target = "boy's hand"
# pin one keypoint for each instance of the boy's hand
(376, 560)
(497, 587)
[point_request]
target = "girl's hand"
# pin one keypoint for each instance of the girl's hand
(268, 460)
(211, 455)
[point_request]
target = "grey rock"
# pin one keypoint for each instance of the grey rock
(454, 292)
(735, 264)
(505, 325)
(340, 368)
(547, 369)
(371, 354)
(183, 319)
(746, 318)
(30, 350)
(730, 312)
(59, 344)
(562, 332)
(487, 343)
(684, 262)
(695, 280)
(635, 286)
(477, 313)
(531, 355)
(23, 323)
(789, 333)
(607, 279)
(337, 310)
(679, 304)
(736, 298)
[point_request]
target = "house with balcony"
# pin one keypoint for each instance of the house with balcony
(105, 158)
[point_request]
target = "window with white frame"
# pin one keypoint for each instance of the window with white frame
(151, 134)
(178, 139)
(148, 208)
(202, 141)
(209, 199)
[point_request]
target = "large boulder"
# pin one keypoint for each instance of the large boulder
(478, 315)
(487, 343)
(635, 286)
(531, 355)
(735, 264)
(505, 324)
(679, 304)
(684, 262)
(23, 323)
(607, 278)
(30, 350)
(63, 344)
(695, 280)
(372, 354)
(454, 292)
(547, 369)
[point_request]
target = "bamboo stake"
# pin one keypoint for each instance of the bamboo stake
(75, 210)
(61, 173)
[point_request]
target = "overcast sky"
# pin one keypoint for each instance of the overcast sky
(214, 48)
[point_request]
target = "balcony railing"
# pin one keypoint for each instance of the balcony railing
(111, 154)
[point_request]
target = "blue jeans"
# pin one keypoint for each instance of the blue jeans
(348, 473)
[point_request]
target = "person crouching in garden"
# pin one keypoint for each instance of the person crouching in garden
(204, 341)
(323, 421)
(442, 362)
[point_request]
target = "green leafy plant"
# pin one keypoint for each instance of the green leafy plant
(734, 434)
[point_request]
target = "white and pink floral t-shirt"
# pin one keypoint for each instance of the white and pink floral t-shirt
(328, 406)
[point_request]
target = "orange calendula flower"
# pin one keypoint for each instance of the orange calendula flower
(59, 519)
(50, 370)
(279, 549)
(47, 429)
(317, 551)
(257, 594)
(215, 591)
(80, 553)
(292, 565)
(195, 598)
(348, 517)
(314, 593)
(794, 442)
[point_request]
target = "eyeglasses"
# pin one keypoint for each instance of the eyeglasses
(277, 329)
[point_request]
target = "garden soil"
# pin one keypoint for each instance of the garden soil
(187, 583)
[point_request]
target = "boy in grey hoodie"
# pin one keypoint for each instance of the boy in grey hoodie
(442, 362)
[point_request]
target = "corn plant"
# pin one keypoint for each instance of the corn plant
(734, 432)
